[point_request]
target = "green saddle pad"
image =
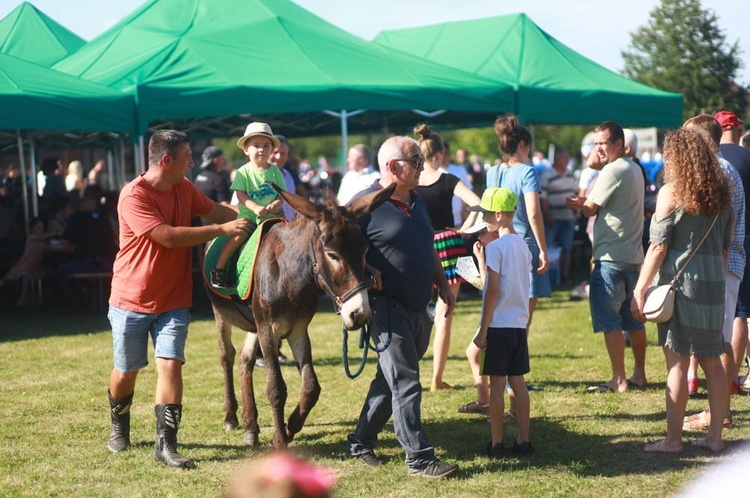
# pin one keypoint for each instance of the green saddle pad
(240, 267)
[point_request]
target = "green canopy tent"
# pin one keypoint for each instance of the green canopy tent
(36, 100)
(553, 83)
(29, 34)
(211, 66)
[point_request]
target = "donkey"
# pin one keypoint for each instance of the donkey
(323, 249)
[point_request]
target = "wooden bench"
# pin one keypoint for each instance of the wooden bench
(98, 281)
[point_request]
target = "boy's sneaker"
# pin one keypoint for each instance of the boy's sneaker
(435, 470)
(693, 387)
(496, 452)
(219, 279)
(523, 449)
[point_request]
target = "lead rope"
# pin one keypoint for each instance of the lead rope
(364, 341)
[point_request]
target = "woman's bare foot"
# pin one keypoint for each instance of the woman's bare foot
(436, 386)
(712, 447)
(661, 447)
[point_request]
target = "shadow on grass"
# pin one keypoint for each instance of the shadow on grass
(21, 324)
(584, 455)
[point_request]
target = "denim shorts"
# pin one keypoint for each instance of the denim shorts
(130, 331)
(610, 294)
(561, 232)
(540, 285)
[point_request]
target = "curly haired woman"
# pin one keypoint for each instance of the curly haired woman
(696, 192)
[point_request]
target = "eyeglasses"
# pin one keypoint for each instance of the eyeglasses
(417, 161)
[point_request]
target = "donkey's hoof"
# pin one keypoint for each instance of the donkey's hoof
(231, 426)
(250, 438)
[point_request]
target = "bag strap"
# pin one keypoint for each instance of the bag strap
(694, 251)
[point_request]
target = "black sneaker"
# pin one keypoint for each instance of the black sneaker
(219, 279)
(496, 452)
(523, 449)
(284, 360)
(435, 470)
(367, 457)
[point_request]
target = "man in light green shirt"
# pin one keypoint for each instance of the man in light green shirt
(617, 202)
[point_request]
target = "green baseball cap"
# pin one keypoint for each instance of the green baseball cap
(496, 199)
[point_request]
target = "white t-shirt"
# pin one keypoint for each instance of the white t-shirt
(355, 182)
(509, 256)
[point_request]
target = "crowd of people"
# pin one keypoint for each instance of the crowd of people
(512, 210)
(73, 232)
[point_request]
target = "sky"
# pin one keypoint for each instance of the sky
(596, 29)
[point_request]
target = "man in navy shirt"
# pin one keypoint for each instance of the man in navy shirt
(732, 129)
(403, 259)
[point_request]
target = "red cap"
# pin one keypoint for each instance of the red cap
(727, 120)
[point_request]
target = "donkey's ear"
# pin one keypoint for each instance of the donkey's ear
(300, 204)
(367, 203)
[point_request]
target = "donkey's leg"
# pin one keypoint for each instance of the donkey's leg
(249, 409)
(227, 354)
(276, 389)
(310, 388)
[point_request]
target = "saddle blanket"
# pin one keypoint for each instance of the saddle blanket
(240, 267)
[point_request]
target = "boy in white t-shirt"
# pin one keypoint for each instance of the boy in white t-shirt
(505, 313)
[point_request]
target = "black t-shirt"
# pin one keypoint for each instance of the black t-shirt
(740, 159)
(214, 185)
(91, 233)
(439, 197)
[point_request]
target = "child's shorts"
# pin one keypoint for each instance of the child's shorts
(507, 352)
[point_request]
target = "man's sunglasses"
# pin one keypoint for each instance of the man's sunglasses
(417, 161)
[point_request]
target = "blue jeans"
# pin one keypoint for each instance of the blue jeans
(396, 390)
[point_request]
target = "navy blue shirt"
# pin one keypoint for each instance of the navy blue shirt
(401, 249)
(740, 159)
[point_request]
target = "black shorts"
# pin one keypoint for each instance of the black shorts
(507, 352)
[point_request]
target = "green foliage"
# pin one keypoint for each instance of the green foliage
(682, 49)
(54, 409)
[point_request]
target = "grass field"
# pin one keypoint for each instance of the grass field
(54, 417)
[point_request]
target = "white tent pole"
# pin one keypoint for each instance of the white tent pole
(344, 115)
(344, 134)
(140, 163)
(34, 198)
(24, 185)
(121, 179)
(110, 169)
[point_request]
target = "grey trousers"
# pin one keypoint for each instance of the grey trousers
(396, 390)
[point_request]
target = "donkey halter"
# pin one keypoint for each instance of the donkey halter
(338, 300)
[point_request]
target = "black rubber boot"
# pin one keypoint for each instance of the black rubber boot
(119, 432)
(167, 424)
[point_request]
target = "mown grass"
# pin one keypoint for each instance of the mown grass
(54, 419)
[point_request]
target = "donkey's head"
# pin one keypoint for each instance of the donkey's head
(339, 250)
